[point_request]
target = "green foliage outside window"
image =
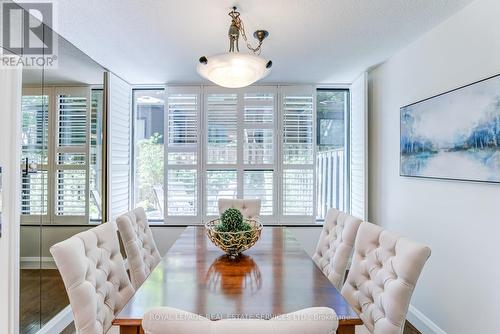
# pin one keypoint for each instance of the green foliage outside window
(150, 166)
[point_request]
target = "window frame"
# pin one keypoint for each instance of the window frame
(42, 167)
(347, 141)
(278, 218)
(240, 166)
(296, 219)
(184, 220)
(133, 150)
(52, 218)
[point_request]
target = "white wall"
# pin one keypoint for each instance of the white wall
(30, 242)
(307, 237)
(165, 237)
(459, 288)
(10, 138)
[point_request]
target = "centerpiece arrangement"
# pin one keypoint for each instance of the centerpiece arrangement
(232, 233)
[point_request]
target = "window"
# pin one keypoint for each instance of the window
(222, 127)
(260, 184)
(149, 153)
(55, 139)
(71, 153)
(183, 153)
(240, 147)
(298, 152)
(283, 145)
(332, 107)
(220, 184)
(34, 149)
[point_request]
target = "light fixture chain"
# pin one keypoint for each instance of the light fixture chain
(239, 23)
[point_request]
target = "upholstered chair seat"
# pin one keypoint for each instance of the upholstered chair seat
(335, 245)
(383, 274)
(93, 273)
(140, 247)
(166, 320)
(249, 208)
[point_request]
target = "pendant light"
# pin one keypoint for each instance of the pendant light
(234, 69)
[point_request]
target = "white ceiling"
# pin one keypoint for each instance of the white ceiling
(73, 68)
(315, 41)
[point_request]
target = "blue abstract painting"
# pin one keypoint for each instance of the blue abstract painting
(455, 135)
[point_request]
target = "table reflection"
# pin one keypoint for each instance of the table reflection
(234, 277)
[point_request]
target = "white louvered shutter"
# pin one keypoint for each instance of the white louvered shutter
(72, 114)
(240, 147)
(182, 173)
(359, 147)
(222, 126)
(259, 146)
(221, 150)
(120, 124)
(297, 150)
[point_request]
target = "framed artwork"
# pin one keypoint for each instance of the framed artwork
(454, 135)
(1, 204)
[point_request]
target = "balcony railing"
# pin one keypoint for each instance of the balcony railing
(330, 181)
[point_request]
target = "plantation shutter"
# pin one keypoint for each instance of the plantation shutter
(297, 151)
(119, 154)
(222, 128)
(259, 147)
(222, 142)
(182, 153)
(359, 147)
(71, 153)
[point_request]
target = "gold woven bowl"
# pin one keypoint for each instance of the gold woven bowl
(233, 243)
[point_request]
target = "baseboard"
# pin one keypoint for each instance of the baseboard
(36, 262)
(422, 323)
(58, 323)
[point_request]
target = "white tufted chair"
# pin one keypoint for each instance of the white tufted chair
(335, 245)
(140, 247)
(92, 270)
(383, 274)
(166, 320)
(250, 208)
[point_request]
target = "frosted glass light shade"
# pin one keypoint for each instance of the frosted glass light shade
(234, 70)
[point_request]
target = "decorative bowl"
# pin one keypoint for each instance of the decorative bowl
(233, 243)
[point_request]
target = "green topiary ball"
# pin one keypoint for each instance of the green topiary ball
(221, 228)
(231, 220)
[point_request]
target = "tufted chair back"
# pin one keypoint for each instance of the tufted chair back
(92, 270)
(383, 274)
(167, 320)
(250, 208)
(140, 247)
(335, 245)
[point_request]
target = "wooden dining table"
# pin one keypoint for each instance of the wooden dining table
(274, 277)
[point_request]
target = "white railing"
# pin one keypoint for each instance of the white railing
(330, 181)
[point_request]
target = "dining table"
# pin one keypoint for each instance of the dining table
(274, 277)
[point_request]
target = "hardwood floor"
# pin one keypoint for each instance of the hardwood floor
(34, 310)
(42, 296)
(409, 329)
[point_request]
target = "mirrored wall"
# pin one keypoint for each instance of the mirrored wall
(61, 168)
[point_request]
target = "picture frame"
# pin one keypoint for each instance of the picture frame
(454, 135)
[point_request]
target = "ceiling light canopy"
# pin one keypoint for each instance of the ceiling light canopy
(234, 69)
